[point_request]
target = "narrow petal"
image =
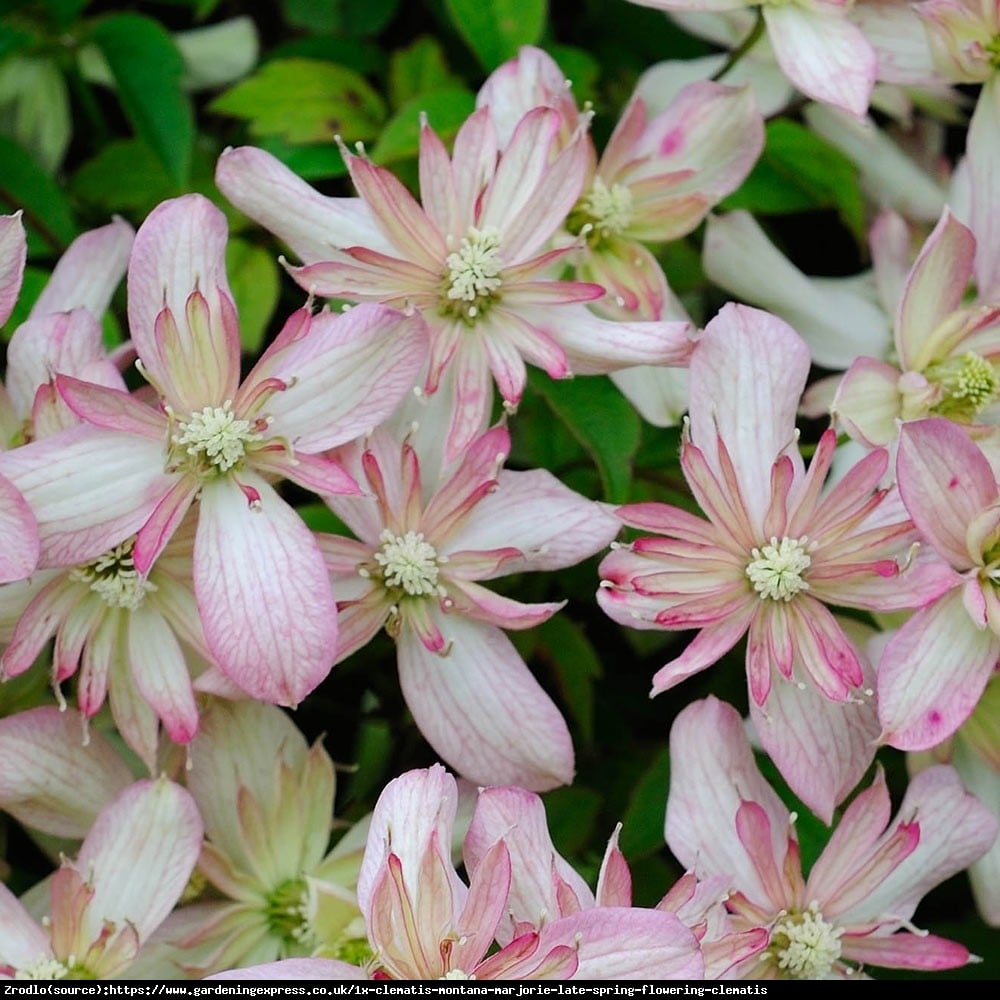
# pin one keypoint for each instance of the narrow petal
(19, 531)
(13, 254)
(263, 591)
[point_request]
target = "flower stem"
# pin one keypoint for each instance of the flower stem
(744, 47)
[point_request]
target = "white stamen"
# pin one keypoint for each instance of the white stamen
(804, 945)
(410, 562)
(776, 569)
(114, 578)
(42, 968)
(611, 208)
(215, 435)
(474, 268)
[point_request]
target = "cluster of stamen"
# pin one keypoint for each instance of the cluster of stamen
(43, 968)
(610, 210)
(804, 945)
(473, 277)
(287, 913)
(214, 438)
(969, 384)
(409, 562)
(114, 578)
(456, 974)
(776, 569)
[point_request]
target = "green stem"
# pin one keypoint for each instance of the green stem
(743, 48)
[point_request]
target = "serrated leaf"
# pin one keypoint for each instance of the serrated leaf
(255, 283)
(25, 184)
(496, 29)
(446, 110)
(417, 69)
(305, 100)
(602, 420)
(577, 667)
(148, 69)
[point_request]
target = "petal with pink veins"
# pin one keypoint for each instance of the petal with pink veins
(932, 673)
(482, 710)
(868, 402)
(13, 254)
(263, 591)
(19, 531)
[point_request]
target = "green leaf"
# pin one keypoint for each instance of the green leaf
(642, 825)
(602, 420)
(446, 110)
(418, 69)
(25, 184)
(65, 12)
(34, 281)
(571, 813)
(496, 29)
(797, 172)
(148, 69)
(311, 162)
(356, 18)
(255, 282)
(305, 100)
(581, 69)
(125, 176)
(577, 666)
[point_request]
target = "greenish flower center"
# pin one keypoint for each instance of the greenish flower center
(410, 563)
(213, 438)
(472, 282)
(969, 384)
(287, 913)
(114, 578)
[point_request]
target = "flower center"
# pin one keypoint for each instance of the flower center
(969, 385)
(114, 578)
(214, 437)
(409, 561)
(609, 209)
(42, 968)
(287, 914)
(456, 974)
(776, 569)
(473, 279)
(804, 945)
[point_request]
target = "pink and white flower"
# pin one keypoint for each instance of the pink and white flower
(775, 551)
(855, 907)
(262, 589)
(422, 545)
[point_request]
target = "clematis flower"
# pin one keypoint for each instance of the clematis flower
(422, 545)
(935, 667)
(130, 871)
(136, 637)
(544, 886)
(269, 886)
(773, 554)
(475, 259)
(826, 56)
(855, 907)
(262, 590)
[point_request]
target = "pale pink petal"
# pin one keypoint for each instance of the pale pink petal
(712, 772)
(154, 535)
(111, 407)
(13, 253)
(821, 747)
(181, 249)
(89, 488)
(823, 54)
(572, 529)
(983, 144)
(659, 394)
(746, 378)
(482, 710)
(263, 591)
(53, 781)
(294, 968)
(905, 951)
(868, 403)
(541, 879)
(955, 829)
(160, 671)
(346, 377)
(24, 942)
(88, 272)
(140, 854)
(311, 224)
(934, 288)
(932, 673)
(19, 531)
